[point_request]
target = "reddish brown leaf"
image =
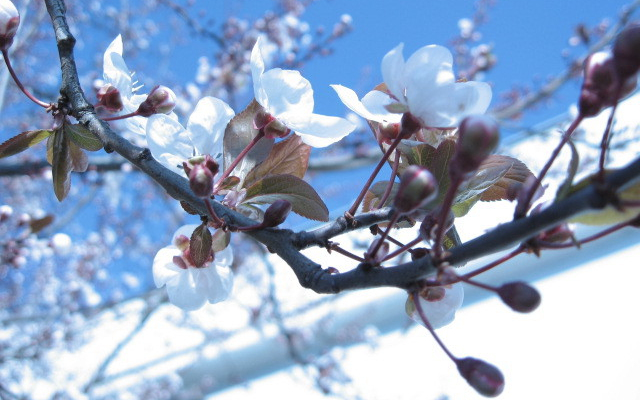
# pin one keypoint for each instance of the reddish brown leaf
(61, 165)
(22, 142)
(288, 157)
(200, 245)
(38, 224)
(516, 174)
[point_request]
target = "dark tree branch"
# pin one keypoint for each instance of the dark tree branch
(287, 244)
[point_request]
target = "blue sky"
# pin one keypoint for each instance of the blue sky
(529, 37)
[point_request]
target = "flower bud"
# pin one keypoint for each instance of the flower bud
(519, 296)
(478, 137)
(417, 188)
(201, 180)
(429, 223)
(161, 100)
(275, 129)
(626, 51)
(601, 86)
(482, 376)
(9, 22)
(387, 132)
(409, 125)
(109, 98)
(276, 213)
(381, 253)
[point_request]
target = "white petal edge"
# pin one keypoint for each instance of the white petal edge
(207, 124)
(392, 69)
(350, 99)
(287, 91)
(163, 268)
(319, 130)
(115, 69)
(257, 69)
(168, 142)
(183, 291)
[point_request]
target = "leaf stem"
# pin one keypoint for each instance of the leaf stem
(239, 158)
(5, 55)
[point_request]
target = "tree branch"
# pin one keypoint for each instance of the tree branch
(285, 243)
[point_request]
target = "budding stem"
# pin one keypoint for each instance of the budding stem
(403, 248)
(392, 147)
(415, 296)
(371, 255)
(5, 55)
(119, 117)
(394, 172)
(521, 209)
(235, 162)
(456, 180)
(606, 137)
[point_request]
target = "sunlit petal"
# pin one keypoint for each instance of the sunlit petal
(319, 130)
(287, 92)
(393, 71)
(115, 69)
(207, 124)
(182, 291)
(169, 142)
(164, 269)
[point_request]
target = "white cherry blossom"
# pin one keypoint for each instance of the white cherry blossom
(288, 97)
(439, 312)
(191, 287)
(172, 144)
(117, 74)
(425, 86)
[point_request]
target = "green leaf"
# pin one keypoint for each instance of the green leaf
(238, 134)
(515, 174)
(608, 215)
(417, 153)
(304, 199)
(288, 157)
(23, 141)
(82, 137)
(61, 164)
(200, 245)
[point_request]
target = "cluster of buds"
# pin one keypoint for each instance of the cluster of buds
(201, 170)
(9, 22)
(609, 76)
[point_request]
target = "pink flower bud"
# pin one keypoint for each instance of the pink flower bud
(478, 137)
(519, 296)
(9, 22)
(109, 98)
(626, 51)
(276, 213)
(161, 100)
(482, 376)
(201, 180)
(601, 86)
(417, 188)
(181, 242)
(275, 129)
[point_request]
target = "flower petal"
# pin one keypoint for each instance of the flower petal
(115, 69)
(318, 130)
(257, 69)
(164, 269)
(169, 142)
(442, 312)
(429, 66)
(207, 124)
(446, 106)
(377, 102)
(214, 283)
(182, 291)
(393, 72)
(286, 91)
